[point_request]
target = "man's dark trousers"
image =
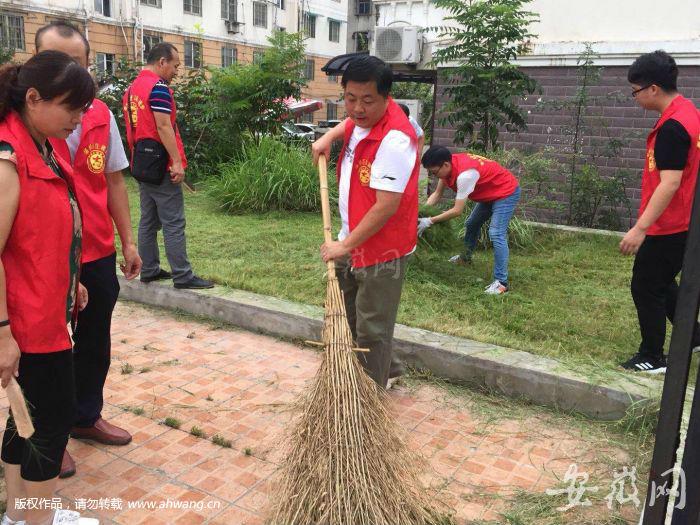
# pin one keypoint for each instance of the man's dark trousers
(92, 340)
(655, 291)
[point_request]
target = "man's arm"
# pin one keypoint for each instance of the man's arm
(437, 194)
(662, 196)
(323, 145)
(384, 208)
(118, 204)
(167, 137)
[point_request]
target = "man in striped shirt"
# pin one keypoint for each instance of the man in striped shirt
(152, 116)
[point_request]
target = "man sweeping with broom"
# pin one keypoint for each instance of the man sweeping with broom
(378, 201)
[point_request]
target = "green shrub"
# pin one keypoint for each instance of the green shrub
(270, 175)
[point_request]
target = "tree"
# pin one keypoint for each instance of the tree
(483, 84)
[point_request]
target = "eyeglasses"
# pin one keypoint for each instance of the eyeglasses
(637, 91)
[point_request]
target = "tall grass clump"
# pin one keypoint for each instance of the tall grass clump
(268, 175)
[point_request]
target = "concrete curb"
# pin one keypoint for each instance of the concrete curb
(601, 394)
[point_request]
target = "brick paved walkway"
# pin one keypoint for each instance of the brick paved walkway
(239, 385)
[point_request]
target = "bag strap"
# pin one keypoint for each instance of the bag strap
(128, 108)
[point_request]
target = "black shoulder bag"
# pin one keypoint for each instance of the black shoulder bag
(149, 158)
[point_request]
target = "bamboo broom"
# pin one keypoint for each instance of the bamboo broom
(348, 463)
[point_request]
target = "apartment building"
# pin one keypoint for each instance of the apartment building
(206, 32)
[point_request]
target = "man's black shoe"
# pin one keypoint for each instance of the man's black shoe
(646, 364)
(196, 283)
(160, 276)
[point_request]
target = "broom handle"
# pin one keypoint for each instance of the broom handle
(325, 208)
(23, 422)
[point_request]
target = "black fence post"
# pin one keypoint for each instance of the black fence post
(674, 391)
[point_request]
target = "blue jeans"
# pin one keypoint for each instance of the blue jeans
(500, 213)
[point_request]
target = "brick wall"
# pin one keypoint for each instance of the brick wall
(623, 119)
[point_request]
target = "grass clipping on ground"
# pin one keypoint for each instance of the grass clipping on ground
(347, 463)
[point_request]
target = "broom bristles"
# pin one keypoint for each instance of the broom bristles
(348, 463)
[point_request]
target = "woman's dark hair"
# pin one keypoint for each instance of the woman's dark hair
(657, 68)
(405, 109)
(53, 74)
(436, 156)
(366, 69)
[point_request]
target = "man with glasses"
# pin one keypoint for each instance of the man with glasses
(668, 186)
(496, 192)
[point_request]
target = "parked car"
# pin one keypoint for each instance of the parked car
(292, 130)
(306, 127)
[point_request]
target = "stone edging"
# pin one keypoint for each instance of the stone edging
(602, 394)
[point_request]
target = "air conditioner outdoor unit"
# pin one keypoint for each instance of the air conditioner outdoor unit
(232, 26)
(397, 45)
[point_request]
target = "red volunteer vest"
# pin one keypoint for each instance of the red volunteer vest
(495, 182)
(90, 182)
(37, 252)
(676, 217)
(142, 116)
(399, 235)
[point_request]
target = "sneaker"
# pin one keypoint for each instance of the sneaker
(647, 364)
(460, 259)
(496, 288)
(160, 276)
(196, 283)
(7, 521)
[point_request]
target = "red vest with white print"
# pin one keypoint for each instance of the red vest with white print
(495, 182)
(142, 116)
(37, 253)
(90, 182)
(398, 236)
(676, 216)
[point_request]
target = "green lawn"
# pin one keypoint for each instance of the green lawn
(570, 292)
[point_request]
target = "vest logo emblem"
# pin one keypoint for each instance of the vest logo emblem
(364, 170)
(651, 161)
(135, 103)
(482, 160)
(96, 157)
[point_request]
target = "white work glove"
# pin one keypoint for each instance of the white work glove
(424, 224)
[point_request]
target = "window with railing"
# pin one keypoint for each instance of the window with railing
(309, 25)
(229, 10)
(331, 111)
(333, 31)
(104, 64)
(152, 3)
(260, 14)
(103, 7)
(149, 41)
(363, 7)
(309, 68)
(192, 7)
(229, 56)
(12, 31)
(193, 54)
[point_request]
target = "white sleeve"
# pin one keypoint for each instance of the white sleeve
(466, 182)
(416, 127)
(394, 163)
(116, 156)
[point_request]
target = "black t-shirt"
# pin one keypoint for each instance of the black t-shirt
(672, 146)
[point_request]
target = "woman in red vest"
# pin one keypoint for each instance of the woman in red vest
(40, 250)
(496, 192)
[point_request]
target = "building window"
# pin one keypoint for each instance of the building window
(12, 31)
(309, 25)
(260, 14)
(280, 4)
(149, 41)
(332, 111)
(104, 63)
(308, 117)
(309, 69)
(103, 7)
(258, 56)
(228, 10)
(193, 54)
(152, 3)
(192, 7)
(229, 56)
(363, 7)
(334, 31)
(362, 41)
(332, 79)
